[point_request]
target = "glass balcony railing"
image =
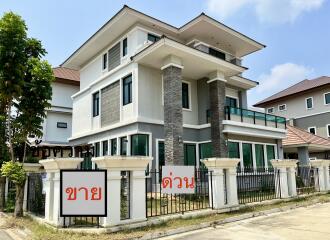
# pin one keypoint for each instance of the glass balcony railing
(253, 117)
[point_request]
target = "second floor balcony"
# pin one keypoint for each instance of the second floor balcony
(252, 123)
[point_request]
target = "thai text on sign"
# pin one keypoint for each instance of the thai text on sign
(83, 193)
(178, 179)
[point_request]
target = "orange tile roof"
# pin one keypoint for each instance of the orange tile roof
(66, 73)
(298, 136)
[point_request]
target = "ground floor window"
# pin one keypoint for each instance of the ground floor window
(114, 146)
(97, 149)
(260, 157)
(233, 150)
(247, 155)
(161, 154)
(140, 145)
(189, 154)
(205, 151)
(270, 154)
(105, 148)
(123, 146)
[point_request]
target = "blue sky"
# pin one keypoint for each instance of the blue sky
(296, 32)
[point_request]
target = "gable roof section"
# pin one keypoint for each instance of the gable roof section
(129, 16)
(302, 86)
(298, 136)
(66, 75)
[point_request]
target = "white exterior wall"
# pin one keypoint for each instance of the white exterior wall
(62, 94)
(54, 134)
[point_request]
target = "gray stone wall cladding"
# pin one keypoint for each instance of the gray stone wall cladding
(110, 104)
(114, 57)
(173, 129)
(217, 104)
(320, 121)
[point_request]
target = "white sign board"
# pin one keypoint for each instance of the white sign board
(83, 193)
(178, 179)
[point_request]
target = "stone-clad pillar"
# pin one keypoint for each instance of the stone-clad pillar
(173, 129)
(217, 89)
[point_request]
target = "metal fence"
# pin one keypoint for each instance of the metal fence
(307, 180)
(256, 185)
(159, 203)
(35, 195)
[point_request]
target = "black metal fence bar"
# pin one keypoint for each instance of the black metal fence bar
(159, 203)
(256, 185)
(35, 196)
(81, 221)
(307, 180)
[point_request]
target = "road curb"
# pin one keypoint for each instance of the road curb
(161, 234)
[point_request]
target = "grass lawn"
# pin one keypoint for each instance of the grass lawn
(41, 232)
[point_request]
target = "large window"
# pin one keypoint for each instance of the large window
(233, 150)
(270, 154)
(105, 148)
(205, 150)
(153, 38)
(140, 145)
(309, 103)
(123, 146)
(161, 154)
(185, 95)
(217, 54)
(327, 98)
(189, 154)
(260, 157)
(96, 104)
(231, 102)
(247, 155)
(127, 90)
(124, 47)
(97, 149)
(114, 146)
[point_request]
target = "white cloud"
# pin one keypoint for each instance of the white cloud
(272, 11)
(282, 76)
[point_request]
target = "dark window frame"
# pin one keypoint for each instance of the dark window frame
(325, 98)
(127, 84)
(311, 102)
(312, 132)
(105, 143)
(114, 149)
(153, 38)
(231, 100)
(132, 142)
(125, 47)
(105, 61)
(96, 104)
(122, 140)
(216, 53)
(62, 125)
(185, 96)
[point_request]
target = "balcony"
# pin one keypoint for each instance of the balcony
(251, 123)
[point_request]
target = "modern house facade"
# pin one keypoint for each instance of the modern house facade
(307, 106)
(57, 127)
(176, 94)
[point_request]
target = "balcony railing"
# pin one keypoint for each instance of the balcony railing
(253, 117)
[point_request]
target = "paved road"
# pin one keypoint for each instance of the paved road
(4, 235)
(300, 224)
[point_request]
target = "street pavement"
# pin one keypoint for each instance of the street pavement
(3, 234)
(307, 223)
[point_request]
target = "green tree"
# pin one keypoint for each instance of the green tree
(25, 90)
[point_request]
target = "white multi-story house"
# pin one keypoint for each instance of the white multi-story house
(176, 94)
(57, 127)
(307, 105)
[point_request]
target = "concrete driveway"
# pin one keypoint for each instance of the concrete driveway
(303, 223)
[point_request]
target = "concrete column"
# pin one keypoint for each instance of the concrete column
(285, 181)
(25, 199)
(322, 176)
(114, 165)
(217, 90)
(138, 192)
(52, 167)
(303, 156)
(173, 122)
(280, 153)
(219, 167)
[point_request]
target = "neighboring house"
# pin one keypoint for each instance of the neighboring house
(149, 88)
(57, 127)
(307, 105)
(302, 145)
